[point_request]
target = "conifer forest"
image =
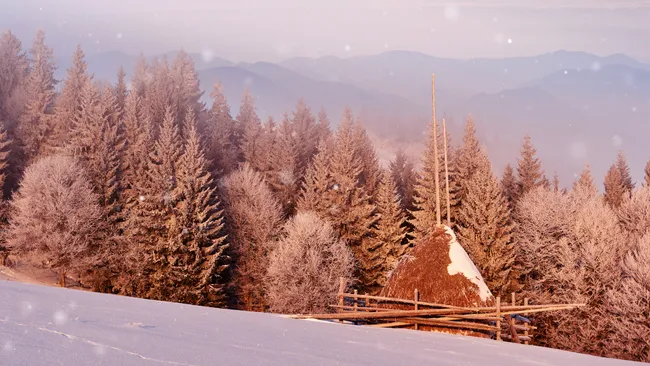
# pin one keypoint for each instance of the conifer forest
(140, 188)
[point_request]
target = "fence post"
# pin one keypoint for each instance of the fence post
(416, 298)
(341, 296)
(526, 324)
(499, 316)
(355, 301)
(514, 302)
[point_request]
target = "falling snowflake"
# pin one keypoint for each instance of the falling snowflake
(595, 66)
(8, 346)
(451, 12)
(26, 308)
(509, 40)
(60, 317)
(119, 36)
(578, 150)
(566, 72)
(141, 198)
(633, 109)
(336, 187)
(207, 55)
(347, 48)
(617, 140)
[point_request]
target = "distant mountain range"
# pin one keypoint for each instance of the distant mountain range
(577, 106)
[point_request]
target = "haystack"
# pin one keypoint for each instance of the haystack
(440, 269)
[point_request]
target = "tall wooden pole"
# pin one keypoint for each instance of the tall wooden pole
(435, 147)
(444, 138)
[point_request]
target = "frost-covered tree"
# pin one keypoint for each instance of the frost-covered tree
(246, 118)
(509, 185)
(68, 103)
(14, 67)
(305, 265)
(403, 174)
(529, 168)
(424, 213)
(615, 190)
(223, 149)
(195, 257)
(485, 227)
(390, 232)
(253, 222)
(35, 122)
(634, 214)
(332, 189)
(56, 216)
(585, 181)
(120, 93)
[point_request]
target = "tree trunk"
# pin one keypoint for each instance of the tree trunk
(3, 259)
(62, 279)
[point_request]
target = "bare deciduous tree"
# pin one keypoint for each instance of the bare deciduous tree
(305, 266)
(56, 215)
(253, 221)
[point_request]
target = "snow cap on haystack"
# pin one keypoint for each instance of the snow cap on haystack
(440, 269)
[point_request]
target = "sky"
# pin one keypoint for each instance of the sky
(274, 30)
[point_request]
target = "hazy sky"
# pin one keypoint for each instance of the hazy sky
(250, 30)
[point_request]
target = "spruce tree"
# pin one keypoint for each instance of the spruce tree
(15, 66)
(252, 145)
(485, 228)
(69, 102)
(197, 253)
(556, 182)
(509, 185)
(370, 171)
(390, 232)
(306, 136)
(468, 158)
(140, 79)
(615, 189)
(120, 93)
(35, 123)
(529, 169)
(626, 178)
(223, 149)
(283, 176)
(403, 174)
(424, 214)
(332, 189)
(646, 174)
(5, 145)
(246, 119)
(187, 92)
(585, 181)
(323, 125)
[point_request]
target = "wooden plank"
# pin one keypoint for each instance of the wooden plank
(449, 324)
(390, 325)
(407, 302)
(379, 315)
(498, 316)
(513, 331)
(360, 308)
(526, 325)
(415, 300)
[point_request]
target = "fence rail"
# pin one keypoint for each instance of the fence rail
(502, 322)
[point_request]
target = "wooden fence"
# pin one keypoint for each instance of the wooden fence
(501, 322)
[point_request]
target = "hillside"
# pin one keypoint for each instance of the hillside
(52, 326)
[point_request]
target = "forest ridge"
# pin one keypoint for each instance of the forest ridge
(146, 191)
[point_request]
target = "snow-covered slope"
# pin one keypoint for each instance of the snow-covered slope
(50, 326)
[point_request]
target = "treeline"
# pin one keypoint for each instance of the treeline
(141, 189)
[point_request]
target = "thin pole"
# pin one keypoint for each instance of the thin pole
(444, 138)
(435, 148)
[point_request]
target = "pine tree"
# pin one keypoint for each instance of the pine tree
(390, 232)
(509, 185)
(252, 144)
(468, 158)
(197, 254)
(529, 168)
(585, 181)
(306, 135)
(138, 141)
(35, 123)
(120, 93)
(615, 189)
(646, 175)
(223, 149)
(69, 101)
(403, 174)
(323, 125)
(160, 93)
(485, 228)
